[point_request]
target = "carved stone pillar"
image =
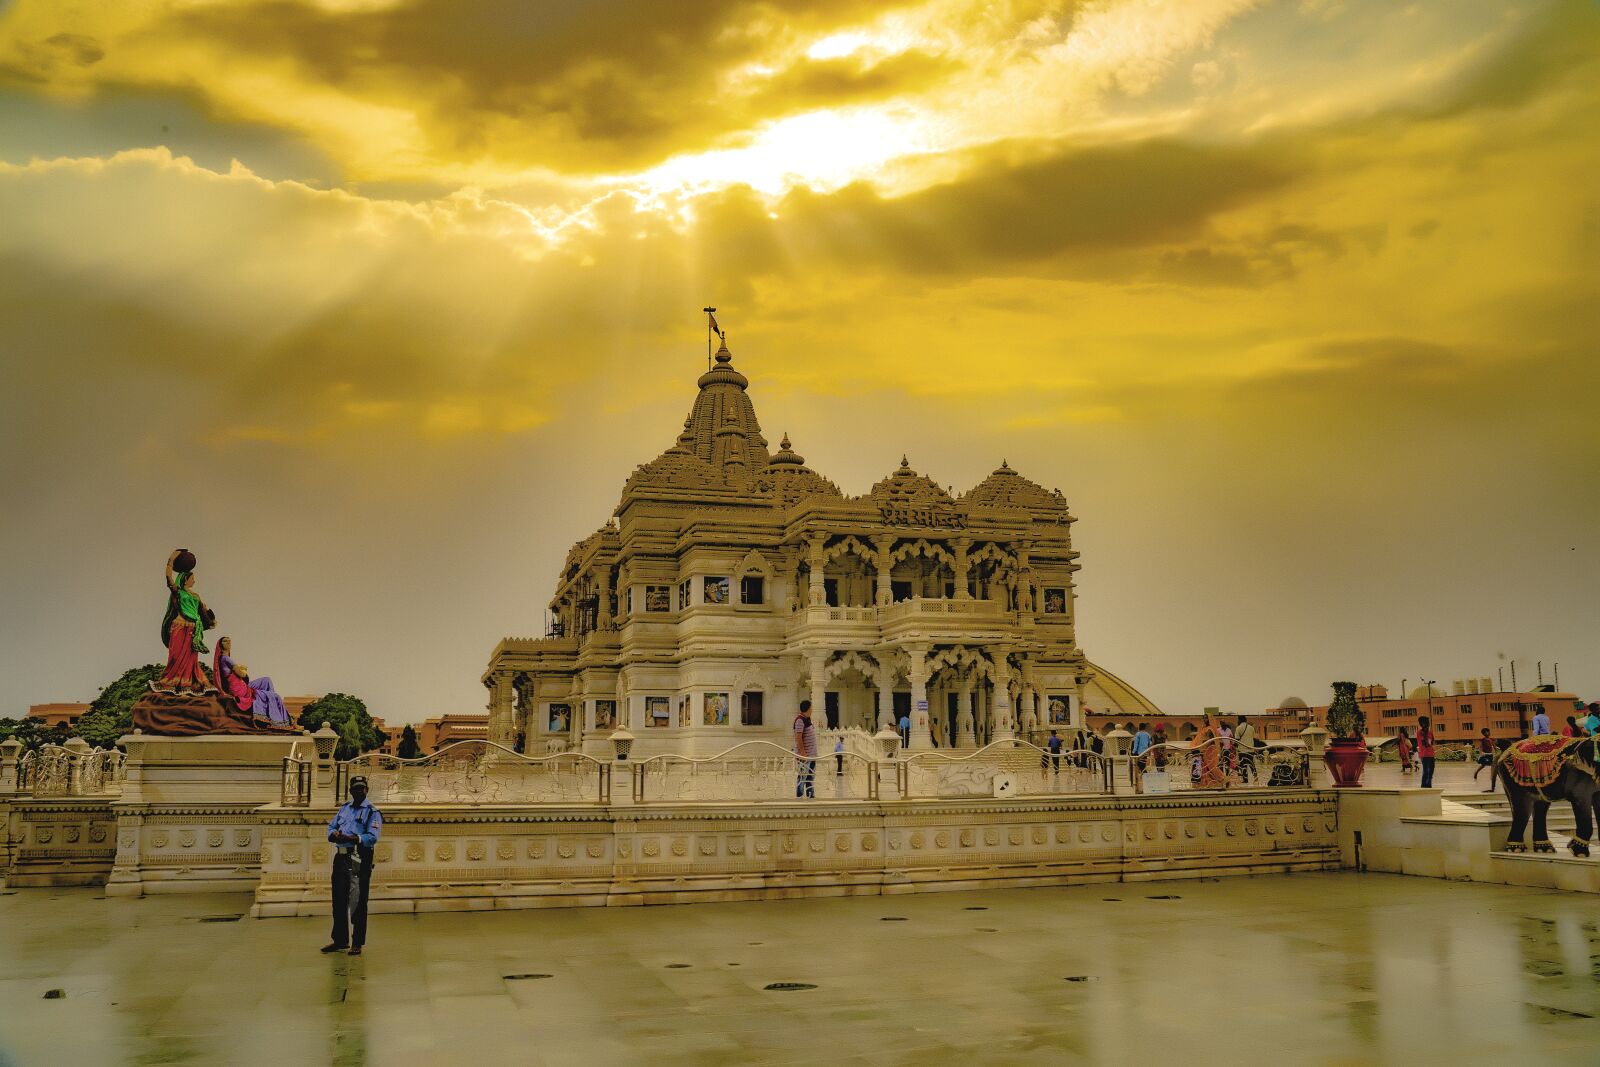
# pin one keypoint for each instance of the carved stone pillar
(602, 619)
(818, 563)
(886, 698)
(817, 663)
(885, 562)
(965, 738)
(921, 735)
(502, 720)
(962, 568)
(1005, 727)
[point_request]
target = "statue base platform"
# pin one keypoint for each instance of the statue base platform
(186, 821)
(195, 714)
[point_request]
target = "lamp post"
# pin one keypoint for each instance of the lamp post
(1316, 739)
(1118, 742)
(1430, 682)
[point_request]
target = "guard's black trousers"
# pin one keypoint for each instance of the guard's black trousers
(351, 884)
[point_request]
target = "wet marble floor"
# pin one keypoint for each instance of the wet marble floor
(1329, 969)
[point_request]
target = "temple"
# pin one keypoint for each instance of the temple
(732, 582)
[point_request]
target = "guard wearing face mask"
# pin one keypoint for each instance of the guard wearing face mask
(353, 831)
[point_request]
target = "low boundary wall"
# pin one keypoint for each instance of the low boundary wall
(485, 857)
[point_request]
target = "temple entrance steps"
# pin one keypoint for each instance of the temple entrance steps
(1560, 817)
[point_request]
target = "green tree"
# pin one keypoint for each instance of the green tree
(410, 747)
(341, 710)
(349, 740)
(110, 716)
(26, 730)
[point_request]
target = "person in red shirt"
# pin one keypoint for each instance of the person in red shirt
(1425, 750)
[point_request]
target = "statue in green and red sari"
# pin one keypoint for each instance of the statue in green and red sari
(183, 629)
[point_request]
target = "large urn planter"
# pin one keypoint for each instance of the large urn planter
(1346, 759)
(1346, 756)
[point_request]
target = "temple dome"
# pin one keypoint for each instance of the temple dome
(789, 479)
(721, 429)
(906, 488)
(1005, 488)
(723, 372)
(679, 469)
(1292, 703)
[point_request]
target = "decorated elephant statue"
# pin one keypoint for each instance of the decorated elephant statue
(1537, 772)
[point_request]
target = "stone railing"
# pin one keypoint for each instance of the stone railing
(478, 772)
(918, 607)
(70, 770)
(1002, 769)
(755, 771)
(1177, 766)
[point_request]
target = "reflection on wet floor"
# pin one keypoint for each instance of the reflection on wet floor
(1324, 969)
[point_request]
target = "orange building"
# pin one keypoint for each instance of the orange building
(434, 734)
(1458, 710)
(52, 715)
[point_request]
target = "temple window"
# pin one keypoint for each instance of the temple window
(658, 598)
(750, 707)
(752, 589)
(684, 588)
(830, 591)
(716, 591)
(658, 711)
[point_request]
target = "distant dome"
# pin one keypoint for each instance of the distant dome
(1421, 692)
(1292, 702)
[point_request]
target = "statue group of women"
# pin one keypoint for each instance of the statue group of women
(183, 632)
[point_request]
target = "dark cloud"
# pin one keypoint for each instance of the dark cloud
(77, 48)
(594, 84)
(1002, 217)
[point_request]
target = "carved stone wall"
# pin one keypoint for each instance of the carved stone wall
(196, 848)
(65, 842)
(443, 859)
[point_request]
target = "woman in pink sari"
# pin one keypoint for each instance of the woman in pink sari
(1208, 744)
(233, 679)
(254, 696)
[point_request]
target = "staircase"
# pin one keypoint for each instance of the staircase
(1558, 822)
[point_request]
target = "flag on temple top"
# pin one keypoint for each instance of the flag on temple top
(714, 327)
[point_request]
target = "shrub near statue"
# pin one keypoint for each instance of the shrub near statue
(184, 701)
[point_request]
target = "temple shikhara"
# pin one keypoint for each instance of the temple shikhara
(733, 581)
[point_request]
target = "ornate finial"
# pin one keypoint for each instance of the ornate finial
(783, 445)
(905, 464)
(1004, 465)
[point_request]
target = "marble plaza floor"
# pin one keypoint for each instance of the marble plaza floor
(1310, 968)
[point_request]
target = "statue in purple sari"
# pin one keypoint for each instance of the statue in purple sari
(254, 695)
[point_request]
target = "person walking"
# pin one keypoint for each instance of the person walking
(1485, 745)
(1402, 745)
(1425, 750)
(905, 730)
(353, 831)
(1141, 741)
(1052, 745)
(805, 754)
(1540, 726)
(1245, 737)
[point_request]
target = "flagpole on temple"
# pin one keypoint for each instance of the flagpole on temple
(711, 328)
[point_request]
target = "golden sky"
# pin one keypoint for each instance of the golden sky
(375, 304)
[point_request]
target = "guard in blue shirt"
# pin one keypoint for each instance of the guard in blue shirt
(353, 831)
